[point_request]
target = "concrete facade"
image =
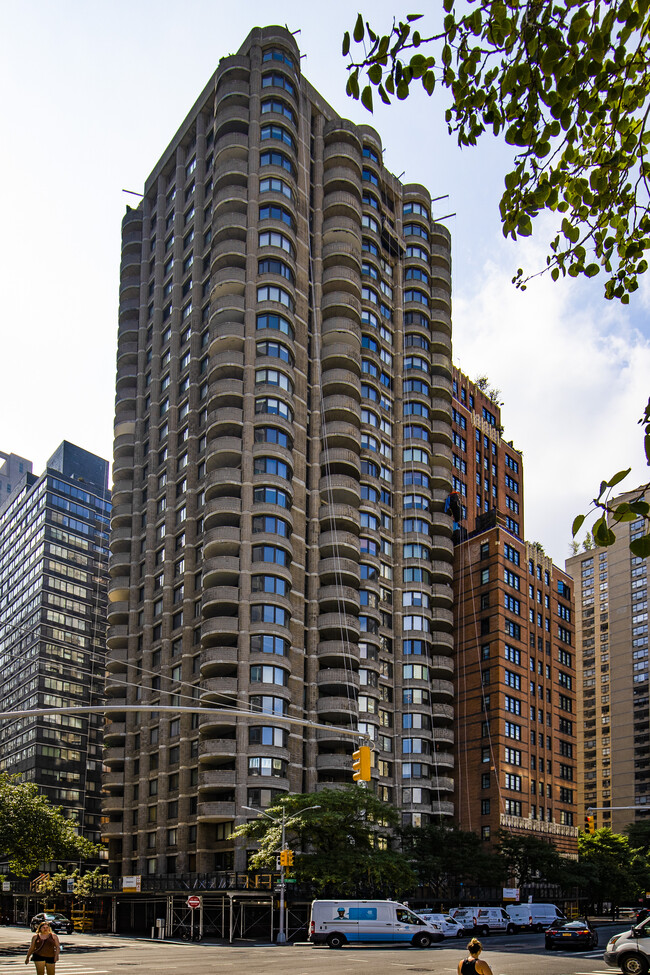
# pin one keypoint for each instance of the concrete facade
(282, 459)
(12, 471)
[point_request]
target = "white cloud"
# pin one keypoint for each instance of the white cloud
(575, 376)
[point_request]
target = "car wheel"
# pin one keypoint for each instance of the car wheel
(549, 946)
(484, 931)
(459, 933)
(539, 928)
(511, 929)
(634, 965)
(594, 941)
(336, 940)
(422, 940)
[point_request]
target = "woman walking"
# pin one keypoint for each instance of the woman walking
(45, 949)
(473, 965)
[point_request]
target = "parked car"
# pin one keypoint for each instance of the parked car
(571, 934)
(58, 922)
(466, 916)
(630, 950)
(533, 917)
(451, 928)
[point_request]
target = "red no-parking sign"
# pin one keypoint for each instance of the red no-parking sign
(193, 901)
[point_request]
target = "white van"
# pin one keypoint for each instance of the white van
(341, 922)
(451, 928)
(534, 917)
(630, 950)
(482, 920)
(489, 919)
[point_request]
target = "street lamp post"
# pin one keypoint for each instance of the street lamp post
(282, 937)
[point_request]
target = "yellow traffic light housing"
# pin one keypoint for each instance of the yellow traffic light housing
(286, 858)
(589, 825)
(361, 764)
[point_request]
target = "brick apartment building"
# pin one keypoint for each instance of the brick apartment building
(515, 669)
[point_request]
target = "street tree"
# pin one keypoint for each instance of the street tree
(567, 85)
(444, 857)
(529, 858)
(638, 835)
(344, 847)
(616, 872)
(33, 830)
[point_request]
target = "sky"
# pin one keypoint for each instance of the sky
(93, 93)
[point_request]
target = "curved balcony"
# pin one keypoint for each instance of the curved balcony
(341, 304)
(342, 382)
(338, 710)
(109, 830)
(343, 154)
(336, 767)
(215, 749)
(338, 653)
(217, 779)
(333, 597)
(339, 489)
(224, 453)
(215, 628)
(215, 812)
(217, 689)
(223, 481)
(336, 679)
(221, 571)
(117, 640)
(341, 353)
(114, 733)
(222, 511)
(219, 598)
(342, 179)
(118, 613)
(339, 461)
(338, 625)
(339, 544)
(342, 230)
(219, 661)
(223, 541)
(337, 571)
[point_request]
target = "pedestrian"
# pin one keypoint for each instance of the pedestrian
(473, 965)
(45, 949)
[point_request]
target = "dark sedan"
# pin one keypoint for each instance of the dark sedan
(571, 934)
(58, 922)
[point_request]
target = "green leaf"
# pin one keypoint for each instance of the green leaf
(345, 47)
(577, 524)
(366, 98)
(358, 29)
(591, 270)
(617, 478)
(412, 17)
(640, 507)
(641, 547)
(375, 73)
(403, 90)
(429, 82)
(602, 534)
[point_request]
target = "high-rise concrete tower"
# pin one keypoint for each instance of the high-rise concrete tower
(282, 460)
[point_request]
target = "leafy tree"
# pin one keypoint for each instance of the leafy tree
(616, 872)
(443, 857)
(638, 835)
(529, 858)
(344, 847)
(567, 84)
(33, 830)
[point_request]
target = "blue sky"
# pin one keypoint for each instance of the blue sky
(92, 95)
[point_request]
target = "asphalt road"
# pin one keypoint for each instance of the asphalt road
(89, 954)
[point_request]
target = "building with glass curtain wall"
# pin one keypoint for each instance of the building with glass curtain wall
(282, 461)
(53, 585)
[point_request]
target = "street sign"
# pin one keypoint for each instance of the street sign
(290, 880)
(193, 901)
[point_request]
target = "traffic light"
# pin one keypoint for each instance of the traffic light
(286, 858)
(361, 764)
(589, 824)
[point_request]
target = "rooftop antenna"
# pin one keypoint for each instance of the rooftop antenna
(434, 199)
(438, 219)
(133, 193)
(401, 174)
